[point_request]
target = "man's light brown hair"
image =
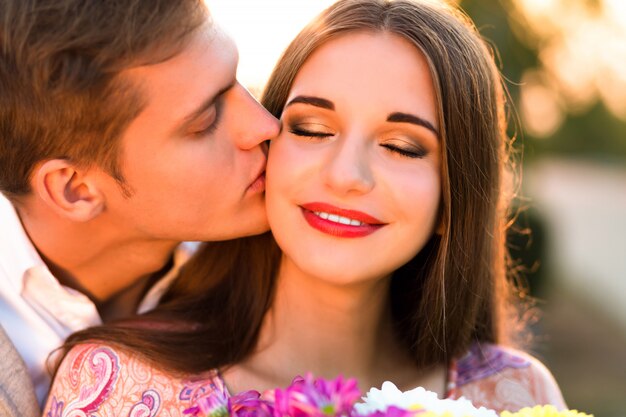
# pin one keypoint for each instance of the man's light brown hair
(61, 92)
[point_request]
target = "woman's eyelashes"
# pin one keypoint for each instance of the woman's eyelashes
(407, 148)
(404, 149)
(310, 131)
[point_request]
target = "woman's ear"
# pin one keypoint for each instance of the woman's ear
(69, 191)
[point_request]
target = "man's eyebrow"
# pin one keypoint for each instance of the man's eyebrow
(313, 101)
(204, 106)
(399, 117)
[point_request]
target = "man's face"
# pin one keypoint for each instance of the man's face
(194, 158)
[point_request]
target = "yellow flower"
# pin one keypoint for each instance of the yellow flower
(544, 411)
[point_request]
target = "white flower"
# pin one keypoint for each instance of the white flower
(380, 399)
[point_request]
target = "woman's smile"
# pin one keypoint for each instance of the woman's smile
(340, 222)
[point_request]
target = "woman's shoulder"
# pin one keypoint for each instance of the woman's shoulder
(112, 381)
(503, 378)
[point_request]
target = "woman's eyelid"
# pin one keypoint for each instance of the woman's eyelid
(308, 125)
(309, 118)
(313, 126)
(404, 142)
(410, 152)
(409, 146)
(310, 133)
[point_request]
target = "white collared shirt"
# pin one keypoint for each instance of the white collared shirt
(36, 311)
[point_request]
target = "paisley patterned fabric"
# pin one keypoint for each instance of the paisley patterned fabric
(104, 381)
(502, 379)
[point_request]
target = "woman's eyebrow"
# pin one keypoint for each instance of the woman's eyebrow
(313, 101)
(399, 117)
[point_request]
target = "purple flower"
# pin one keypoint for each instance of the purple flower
(249, 404)
(219, 404)
(393, 411)
(309, 397)
(215, 404)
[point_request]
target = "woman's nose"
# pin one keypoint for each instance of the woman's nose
(348, 170)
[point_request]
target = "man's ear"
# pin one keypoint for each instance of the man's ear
(69, 191)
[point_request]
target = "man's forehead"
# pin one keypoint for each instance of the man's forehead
(175, 88)
(205, 38)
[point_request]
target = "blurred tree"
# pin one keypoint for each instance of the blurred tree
(563, 126)
(590, 131)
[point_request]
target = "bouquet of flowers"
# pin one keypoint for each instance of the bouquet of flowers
(317, 397)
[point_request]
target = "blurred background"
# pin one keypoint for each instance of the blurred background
(565, 66)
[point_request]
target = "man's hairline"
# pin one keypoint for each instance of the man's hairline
(137, 85)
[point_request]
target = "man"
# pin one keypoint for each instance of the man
(123, 131)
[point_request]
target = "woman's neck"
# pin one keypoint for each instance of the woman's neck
(318, 326)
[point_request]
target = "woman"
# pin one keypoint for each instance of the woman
(385, 195)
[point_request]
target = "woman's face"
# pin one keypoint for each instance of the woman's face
(353, 179)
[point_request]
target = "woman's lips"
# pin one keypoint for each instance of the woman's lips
(340, 222)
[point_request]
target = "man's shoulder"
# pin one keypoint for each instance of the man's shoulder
(17, 394)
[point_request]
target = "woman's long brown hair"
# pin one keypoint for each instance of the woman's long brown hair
(455, 291)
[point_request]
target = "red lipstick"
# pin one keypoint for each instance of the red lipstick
(331, 225)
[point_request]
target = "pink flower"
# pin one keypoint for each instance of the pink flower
(249, 404)
(219, 404)
(309, 397)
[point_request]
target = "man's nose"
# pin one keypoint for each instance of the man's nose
(254, 124)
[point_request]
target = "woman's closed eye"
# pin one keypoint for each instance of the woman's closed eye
(404, 148)
(311, 130)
